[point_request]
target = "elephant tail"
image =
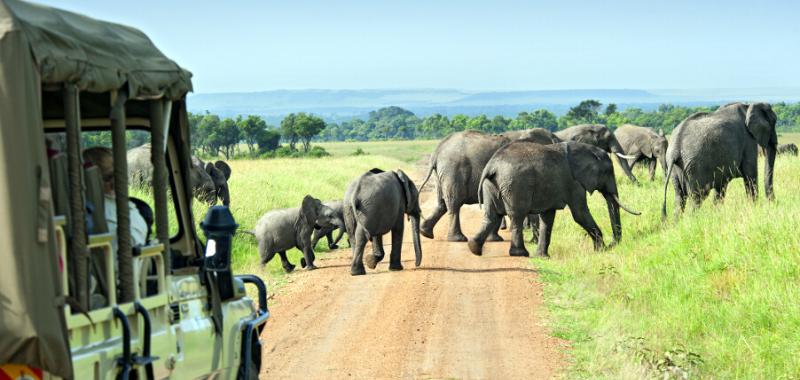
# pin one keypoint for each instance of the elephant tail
(488, 173)
(431, 169)
(249, 232)
(666, 184)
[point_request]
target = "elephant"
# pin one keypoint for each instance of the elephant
(280, 230)
(601, 137)
(375, 204)
(790, 149)
(209, 181)
(327, 232)
(458, 161)
(707, 150)
(645, 145)
(525, 178)
(540, 135)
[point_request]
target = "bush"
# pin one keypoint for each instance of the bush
(359, 152)
(318, 152)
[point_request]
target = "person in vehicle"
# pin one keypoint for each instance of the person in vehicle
(103, 158)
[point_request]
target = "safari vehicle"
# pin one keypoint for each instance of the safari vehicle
(71, 307)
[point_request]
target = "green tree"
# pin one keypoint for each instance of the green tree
(227, 136)
(480, 123)
(307, 127)
(268, 140)
(289, 130)
(252, 128)
(611, 109)
(206, 128)
(459, 123)
(584, 113)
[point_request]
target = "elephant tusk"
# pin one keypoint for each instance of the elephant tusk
(625, 156)
(630, 211)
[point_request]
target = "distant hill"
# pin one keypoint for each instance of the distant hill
(338, 105)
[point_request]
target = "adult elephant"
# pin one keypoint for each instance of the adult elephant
(644, 145)
(209, 181)
(457, 163)
(790, 149)
(375, 204)
(601, 137)
(708, 150)
(525, 178)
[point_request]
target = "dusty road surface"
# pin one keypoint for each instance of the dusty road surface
(456, 316)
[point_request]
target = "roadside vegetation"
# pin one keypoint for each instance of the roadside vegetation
(713, 294)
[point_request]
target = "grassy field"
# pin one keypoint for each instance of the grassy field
(713, 294)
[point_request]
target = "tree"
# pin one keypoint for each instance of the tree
(459, 122)
(252, 129)
(268, 140)
(289, 130)
(306, 127)
(611, 109)
(206, 127)
(584, 113)
(434, 126)
(227, 136)
(479, 123)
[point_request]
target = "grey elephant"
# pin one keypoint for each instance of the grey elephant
(525, 178)
(375, 204)
(327, 232)
(601, 137)
(540, 135)
(708, 150)
(644, 145)
(280, 230)
(790, 149)
(209, 181)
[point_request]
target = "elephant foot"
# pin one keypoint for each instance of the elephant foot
(303, 262)
(475, 247)
(311, 267)
(371, 261)
(288, 268)
(395, 267)
(360, 271)
(494, 237)
(333, 246)
(426, 231)
(457, 237)
(518, 251)
(542, 255)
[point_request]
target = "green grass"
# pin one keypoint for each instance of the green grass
(407, 151)
(713, 294)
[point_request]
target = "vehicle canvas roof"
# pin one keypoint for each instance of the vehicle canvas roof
(46, 48)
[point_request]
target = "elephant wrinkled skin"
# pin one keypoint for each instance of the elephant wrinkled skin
(707, 150)
(327, 232)
(525, 178)
(280, 230)
(643, 145)
(375, 204)
(601, 137)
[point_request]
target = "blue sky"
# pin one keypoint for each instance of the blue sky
(253, 45)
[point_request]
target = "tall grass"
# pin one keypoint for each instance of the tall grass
(713, 293)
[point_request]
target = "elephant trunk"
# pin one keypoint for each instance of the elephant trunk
(613, 215)
(224, 195)
(415, 236)
(769, 167)
(617, 150)
(662, 160)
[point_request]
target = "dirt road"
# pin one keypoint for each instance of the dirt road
(457, 316)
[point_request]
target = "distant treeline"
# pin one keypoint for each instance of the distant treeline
(212, 135)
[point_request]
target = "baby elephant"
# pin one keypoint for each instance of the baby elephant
(375, 204)
(327, 232)
(280, 230)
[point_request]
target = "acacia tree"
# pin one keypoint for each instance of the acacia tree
(288, 130)
(251, 130)
(307, 127)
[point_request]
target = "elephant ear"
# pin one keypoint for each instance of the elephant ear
(410, 193)
(585, 162)
(224, 168)
(647, 146)
(760, 121)
(309, 208)
(660, 132)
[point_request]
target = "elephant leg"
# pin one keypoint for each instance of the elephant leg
(360, 242)
(503, 224)
(582, 216)
(426, 227)
(494, 235)
(491, 223)
(317, 236)
(377, 252)
(329, 238)
(308, 255)
(455, 223)
(750, 175)
(533, 223)
(339, 235)
(719, 193)
(517, 242)
(652, 168)
(680, 191)
(546, 220)
(266, 253)
(287, 265)
(397, 245)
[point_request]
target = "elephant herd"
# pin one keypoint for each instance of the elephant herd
(520, 175)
